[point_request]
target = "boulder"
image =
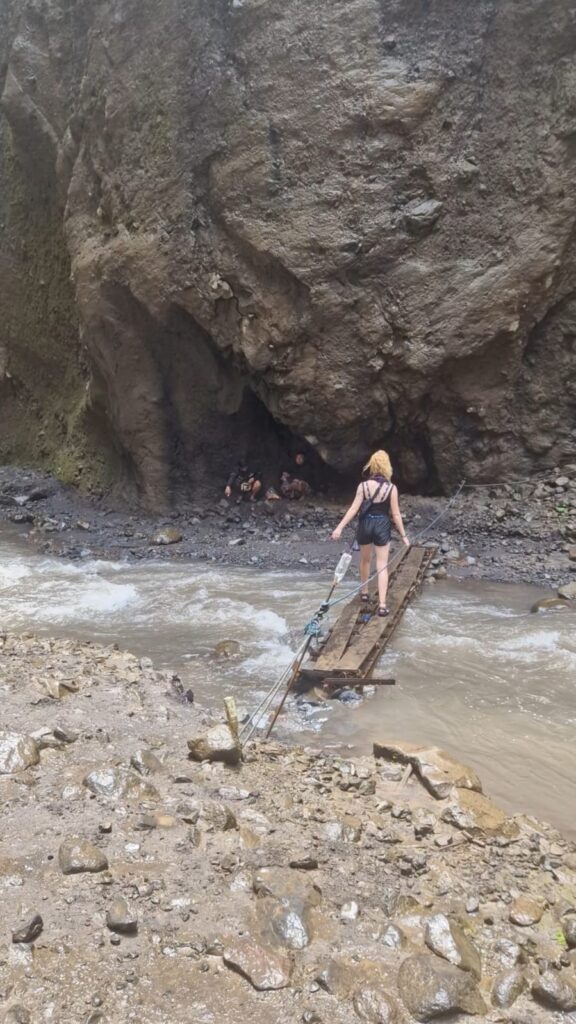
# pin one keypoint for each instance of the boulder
(264, 968)
(525, 912)
(431, 988)
(374, 1005)
(17, 752)
(120, 919)
(507, 987)
(168, 535)
(556, 991)
(76, 856)
(567, 591)
(437, 770)
(218, 744)
(448, 940)
(472, 812)
(119, 784)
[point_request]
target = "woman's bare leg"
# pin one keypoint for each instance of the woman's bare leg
(365, 559)
(381, 565)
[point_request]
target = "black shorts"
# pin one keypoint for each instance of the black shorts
(374, 529)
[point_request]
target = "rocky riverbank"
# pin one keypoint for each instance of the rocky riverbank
(291, 887)
(521, 532)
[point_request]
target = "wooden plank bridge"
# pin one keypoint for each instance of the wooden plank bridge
(360, 635)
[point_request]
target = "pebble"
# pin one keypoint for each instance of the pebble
(76, 856)
(29, 930)
(120, 919)
(349, 911)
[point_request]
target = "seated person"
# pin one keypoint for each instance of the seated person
(293, 488)
(245, 482)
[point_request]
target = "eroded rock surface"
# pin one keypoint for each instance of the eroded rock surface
(357, 215)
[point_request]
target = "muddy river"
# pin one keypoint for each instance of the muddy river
(475, 672)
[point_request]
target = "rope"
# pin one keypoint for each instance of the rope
(312, 629)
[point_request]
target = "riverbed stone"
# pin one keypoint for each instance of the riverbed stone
(525, 912)
(430, 987)
(472, 812)
(555, 990)
(145, 762)
(374, 1005)
(17, 752)
(217, 744)
(569, 931)
(290, 925)
(121, 919)
(568, 591)
(507, 987)
(167, 535)
(29, 929)
(77, 855)
(264, 968)
(438, 771)
(119, 783)
(447, 939)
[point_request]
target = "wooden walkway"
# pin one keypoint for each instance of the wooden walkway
(359, 635)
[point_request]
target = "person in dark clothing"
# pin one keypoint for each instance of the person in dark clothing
(377, 502)
(245, 482)
(293, 488)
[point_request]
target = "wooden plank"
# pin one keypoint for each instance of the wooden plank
(371, 637)
(342, 633)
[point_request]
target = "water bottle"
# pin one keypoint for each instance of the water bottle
(342, 567)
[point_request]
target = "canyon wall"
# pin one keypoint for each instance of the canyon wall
(354, 222)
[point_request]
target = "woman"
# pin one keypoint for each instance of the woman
(377, 501)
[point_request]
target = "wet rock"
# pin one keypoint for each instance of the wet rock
(264, 968)
(226, 649)
(568, 591)
(76, 856)
(437, 770)
(119, 783)
(554, 990)
(447, 939)
(145, 762)
(29, 930)
(374, 1005)
(525, 912)
(507, 987)
(431, 988)
(550, 602)
(218, 744)
(474, 813)
(17, 752)
(120, 919)
(168, 535)
(569, 930)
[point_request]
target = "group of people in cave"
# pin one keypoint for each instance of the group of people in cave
(296, 481)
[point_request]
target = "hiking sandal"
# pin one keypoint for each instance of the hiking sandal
(383, 611)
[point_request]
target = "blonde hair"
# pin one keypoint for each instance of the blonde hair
(379, 465)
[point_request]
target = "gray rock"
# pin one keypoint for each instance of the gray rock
(430, 988)
(145, 762)
(120, 919)
(447, 939)
(220, 817)
(438, 771)
(568, 591)
(569, 930)
(393, 937)
(168, 535)
(556, 991)
(420, 216)
(264, 968)
(119, 783)
(76, 856)
(525, 912)
(507, 987)
(423, 822)
(374, 1005)
(29, 930)
(17, 752)
(290, 927)
(218, 744)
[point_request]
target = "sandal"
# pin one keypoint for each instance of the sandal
(364, 598)
(383, 611)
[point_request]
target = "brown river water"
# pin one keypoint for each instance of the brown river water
(475, 672)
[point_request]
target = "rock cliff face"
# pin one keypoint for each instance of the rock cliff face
(355, 220)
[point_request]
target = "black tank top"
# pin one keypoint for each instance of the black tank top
(381, 507)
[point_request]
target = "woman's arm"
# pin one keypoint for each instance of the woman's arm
(352, 511)
(396, 516)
